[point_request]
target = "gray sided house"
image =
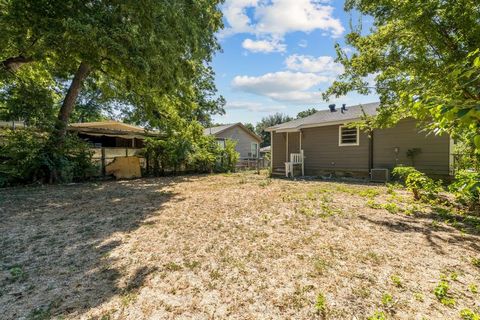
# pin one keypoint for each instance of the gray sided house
(248, 143)
(326, 145)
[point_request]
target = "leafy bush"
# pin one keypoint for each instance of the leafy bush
(29, 156)
(401, 173)
(466, 188)
(422, 186)
(229, 156)
(191, 150)
(204, 156)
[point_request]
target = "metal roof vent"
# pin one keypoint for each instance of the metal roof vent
(344, 108)
(332, 107)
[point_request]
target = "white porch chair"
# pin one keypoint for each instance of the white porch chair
(295, 159)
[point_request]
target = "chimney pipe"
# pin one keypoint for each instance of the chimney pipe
(344, 107)
(332, 107)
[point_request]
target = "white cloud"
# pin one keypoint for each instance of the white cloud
(303, 43)
(252, 106)
(283, 16)
(265, 46)
(322, 64)
(273, 19)
(285, 86)
(235, 14)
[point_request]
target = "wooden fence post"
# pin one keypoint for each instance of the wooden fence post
(103, 162)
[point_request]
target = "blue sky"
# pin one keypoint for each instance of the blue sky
(278, 55)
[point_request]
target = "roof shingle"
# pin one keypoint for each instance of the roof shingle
(326, 116)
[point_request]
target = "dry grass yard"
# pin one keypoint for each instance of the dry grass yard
(239, 246)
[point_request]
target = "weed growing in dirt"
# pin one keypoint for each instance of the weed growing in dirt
(345, 189)
(476, 262)
(362, 292)
(328, 210)
(297, 299)
(321, 303)
(373, 257)
(306, 211)
(215, 275)
(40, 313)
(172, 266)
(129, 297)
(320, 265)
(441, 291)
(418, 296)
(387, 300)
(17, 273)
(391, 207)
(378, 315)
(454, 276)
(369, 193)
(412, 209)
(265, 183)
(396, 280)
(473, 288)
(467, 314)
(191, 264)
(391, 188)
(374, 205)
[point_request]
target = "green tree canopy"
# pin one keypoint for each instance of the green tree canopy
(425, 58)
(306, 113)
(269, 121)
(135, 54)
(249, 126)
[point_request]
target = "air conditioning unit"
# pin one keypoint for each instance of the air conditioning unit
(379, 175)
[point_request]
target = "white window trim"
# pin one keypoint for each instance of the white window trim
(257, 149)
(340, 144)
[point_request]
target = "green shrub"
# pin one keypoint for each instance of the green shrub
(466, 188)
(191, 150)
(401, 173)
(229, 156)
(422, 186)
(29, 156)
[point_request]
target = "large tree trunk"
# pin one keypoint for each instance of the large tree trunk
(70, 100)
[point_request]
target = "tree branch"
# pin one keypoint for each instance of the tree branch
(14, 63)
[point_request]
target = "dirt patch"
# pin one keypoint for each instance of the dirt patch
(238, 246)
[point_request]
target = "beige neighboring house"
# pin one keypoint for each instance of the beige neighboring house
(322, 144)
(248, 143)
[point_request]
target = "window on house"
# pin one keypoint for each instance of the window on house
(348, 136)
(254, 149)
(221, 143)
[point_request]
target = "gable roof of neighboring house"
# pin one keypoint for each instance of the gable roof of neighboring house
(219, 129)
(111, 128)
(326, 117)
